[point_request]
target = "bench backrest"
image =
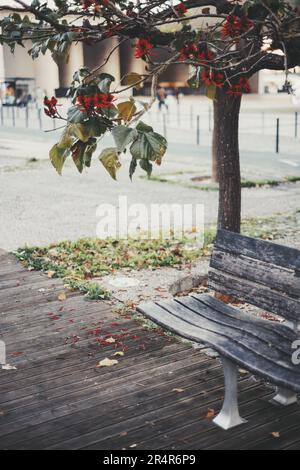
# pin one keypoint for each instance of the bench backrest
(260, 273)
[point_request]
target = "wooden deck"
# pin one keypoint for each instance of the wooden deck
(161, 395)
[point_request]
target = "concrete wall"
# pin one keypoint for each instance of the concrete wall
(95, 55)
(75, 62)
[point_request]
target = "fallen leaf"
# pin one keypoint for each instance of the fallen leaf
(107, 362)
(110, 340)
(123, 434)
(62, 296)
(133, 446)
(8, 367)
(276, 435)
(178, 390)
(50, 274)
(210, 413)
(119, 353)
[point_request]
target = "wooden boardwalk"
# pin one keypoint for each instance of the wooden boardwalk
(161, 395)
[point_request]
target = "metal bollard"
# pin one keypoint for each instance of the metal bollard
(277, 135)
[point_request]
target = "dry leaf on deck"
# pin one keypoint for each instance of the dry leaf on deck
(210, 413)
(107, 362)
(178, 390)
(110, 340)
(276, 435)
(8, 367)
(62, 296)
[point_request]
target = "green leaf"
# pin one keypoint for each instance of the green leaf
(75, 115)
(142, 127)
(211, 92)
(58, 157)
(90, 149)
(150, 146)
(123, 136)
(78, 151)
(110, 112)
(127, 109)
(133, 79)
(132, 168)
(110, 160)
(146, 166)
(67, 138)
(81, 131)
(105, 81)
(97, 126)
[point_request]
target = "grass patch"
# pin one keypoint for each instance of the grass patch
(79, 263)
(214, 187)
(83, 262)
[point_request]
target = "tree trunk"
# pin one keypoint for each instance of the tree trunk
(214, 168)
(226, 148)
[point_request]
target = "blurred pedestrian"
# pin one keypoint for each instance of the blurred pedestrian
(162, 96)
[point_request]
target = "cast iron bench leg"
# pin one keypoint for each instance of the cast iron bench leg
(285, 397)
(229, 416)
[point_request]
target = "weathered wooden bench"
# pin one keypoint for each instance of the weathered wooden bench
(265, 275)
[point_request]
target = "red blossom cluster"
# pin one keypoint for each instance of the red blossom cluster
(239, 88)
(191, 51)
(143, 48)
(86, 4)
(90, 103)
(211, 77)
(50, 107)
(235, 26)
(181, 9)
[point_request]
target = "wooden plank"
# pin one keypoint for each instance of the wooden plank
(249, 319)
(264, 342)
(267, 274)
(259, 249)
(255, 294)
(152, 391)
(246, 358)
(176, 411)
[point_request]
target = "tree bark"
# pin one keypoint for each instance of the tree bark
(226, 142)
(214, 168)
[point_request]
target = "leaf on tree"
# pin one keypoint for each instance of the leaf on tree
(211, 91)
(110, 160)
(127, 109)
(58, 157)
(133, 79)
(123, 136)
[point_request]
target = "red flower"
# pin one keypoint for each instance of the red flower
(94, 103)
(239, 88)
(235, 26)
(206, 56)
(211, 77)
(189, 51)
(50, 107)
(86, 4)
(181, 9)
(143, 49)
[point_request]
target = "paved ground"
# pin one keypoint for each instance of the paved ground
(161, 394)
(37, 206)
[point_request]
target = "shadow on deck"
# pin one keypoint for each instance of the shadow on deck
(161, 395)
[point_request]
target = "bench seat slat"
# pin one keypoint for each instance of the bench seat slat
(269, 275)
(283, 332)
(255, 294)
(175, 317)
(254, 248)
(240, 330)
